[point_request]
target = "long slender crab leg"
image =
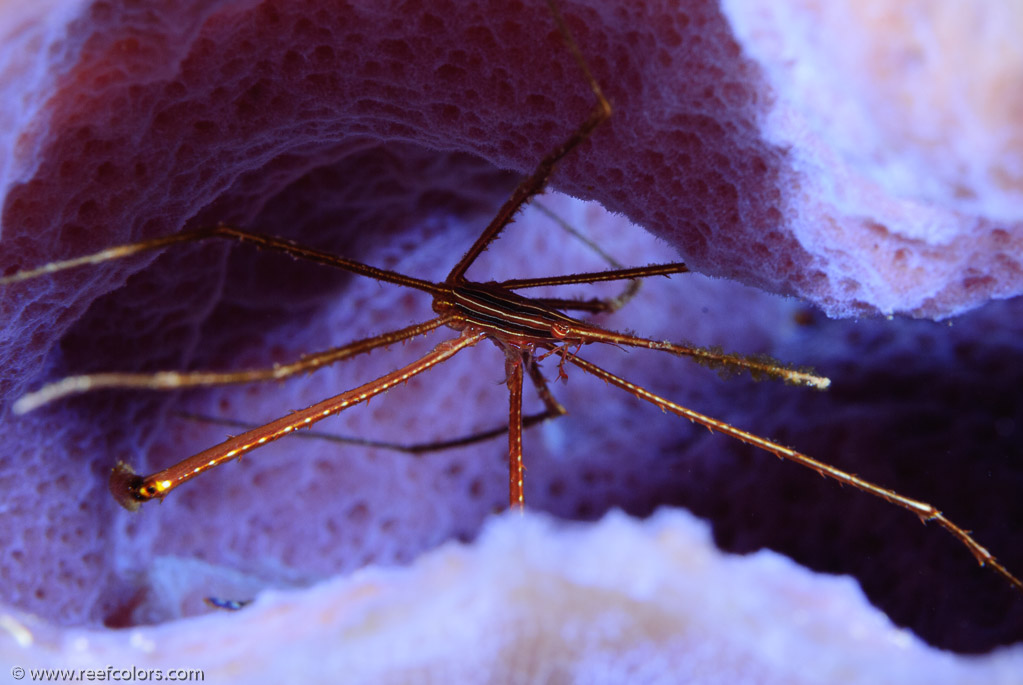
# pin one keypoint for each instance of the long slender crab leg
(925, 511)
(224, 231)
(516, 471)
(130, 490)
(177, 380)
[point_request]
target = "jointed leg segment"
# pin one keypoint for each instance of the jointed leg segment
(534, 183)
(552, 410)
(513, 367)
(925, 511)
(177, 380)
(131, 490)
(230, 233)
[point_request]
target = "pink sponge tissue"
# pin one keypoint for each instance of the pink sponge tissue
(865, 157)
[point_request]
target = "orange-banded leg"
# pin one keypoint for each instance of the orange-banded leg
(130, 490)
(516, 472)
(552, 410)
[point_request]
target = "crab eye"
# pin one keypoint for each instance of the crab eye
(559, 330)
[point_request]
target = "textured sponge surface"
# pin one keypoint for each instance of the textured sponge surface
(390, 134)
